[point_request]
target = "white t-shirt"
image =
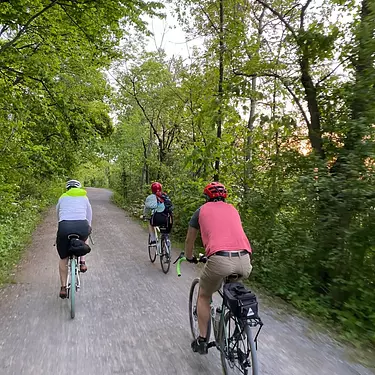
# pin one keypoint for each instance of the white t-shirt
(74, 205)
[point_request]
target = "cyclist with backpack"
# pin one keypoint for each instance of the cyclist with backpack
(160, 206)
(227, 249)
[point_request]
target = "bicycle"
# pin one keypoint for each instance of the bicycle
(238, 348)
(73, 282)
(161, 248)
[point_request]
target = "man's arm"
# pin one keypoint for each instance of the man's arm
(190, 241)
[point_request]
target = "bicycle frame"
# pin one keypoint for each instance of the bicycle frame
(159, 237)
(69, 276)
(158, 243)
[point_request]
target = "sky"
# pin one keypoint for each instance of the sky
(169, 35)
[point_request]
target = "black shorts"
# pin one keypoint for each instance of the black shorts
(163, 221)
(67, 227)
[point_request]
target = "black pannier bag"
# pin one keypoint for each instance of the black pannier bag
(163, 221)
(240, 301)
(78, 247)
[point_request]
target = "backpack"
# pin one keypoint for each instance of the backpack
(167, 204)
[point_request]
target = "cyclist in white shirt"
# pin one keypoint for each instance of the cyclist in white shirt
(74, 215)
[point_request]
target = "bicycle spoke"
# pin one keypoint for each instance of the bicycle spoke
(234, 347)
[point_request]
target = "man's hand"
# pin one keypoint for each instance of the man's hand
(193, 259)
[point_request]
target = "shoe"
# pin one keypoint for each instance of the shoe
(200, 346)
(63, 293)
(82, 267)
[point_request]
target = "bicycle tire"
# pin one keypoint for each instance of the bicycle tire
(151, 253)
(253, 351)
(165, 258)
(230, 367)
(73, 288)
(193, 317)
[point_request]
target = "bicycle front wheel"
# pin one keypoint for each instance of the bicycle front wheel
(73, 288)
(193, 311)
(165, 256)
(237, 347)
(151, 250)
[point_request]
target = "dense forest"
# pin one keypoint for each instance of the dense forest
(276, 103)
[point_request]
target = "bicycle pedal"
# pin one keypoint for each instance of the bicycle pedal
(211, 344)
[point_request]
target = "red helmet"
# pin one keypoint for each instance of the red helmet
(215, 190)
(155, 187)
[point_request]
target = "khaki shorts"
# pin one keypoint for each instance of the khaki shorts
(218, 267)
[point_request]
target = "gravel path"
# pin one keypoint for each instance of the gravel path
(131, 318)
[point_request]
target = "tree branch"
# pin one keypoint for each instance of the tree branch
(303, 12)
(282, 80)
(330, 73)
(280, 17)
(62, 111)
(145, 113)
(209, 19)
(24, 27)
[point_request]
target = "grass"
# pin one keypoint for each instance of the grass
(16, 229)
(15, 235)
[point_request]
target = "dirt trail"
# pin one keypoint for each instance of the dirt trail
(131, 318)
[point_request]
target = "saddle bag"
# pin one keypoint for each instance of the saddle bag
(78, 247)
(240, 301)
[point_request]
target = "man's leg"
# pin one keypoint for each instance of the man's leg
(210, 281)
(204, 312)
(63, 270)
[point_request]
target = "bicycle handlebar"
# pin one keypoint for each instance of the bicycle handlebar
(181, 258)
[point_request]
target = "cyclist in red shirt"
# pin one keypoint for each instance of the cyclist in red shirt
(227, 249)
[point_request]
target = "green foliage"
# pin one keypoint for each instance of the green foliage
(54, 110)
(309, 215)
(18, 217)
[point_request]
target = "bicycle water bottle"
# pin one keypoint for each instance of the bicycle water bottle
(217, 321)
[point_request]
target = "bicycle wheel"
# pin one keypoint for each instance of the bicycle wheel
(193, 315)
(165, 256)
(73, 288)
(237, 347)
(151, 250)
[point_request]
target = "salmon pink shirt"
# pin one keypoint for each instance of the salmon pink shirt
(221, 228)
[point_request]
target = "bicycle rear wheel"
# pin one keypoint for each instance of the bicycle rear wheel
(237, 347)
(193, 314)
(165, 256)
(73, 288)
(151, 250)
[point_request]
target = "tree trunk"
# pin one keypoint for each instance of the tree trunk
(250, 123)
(314, 127)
